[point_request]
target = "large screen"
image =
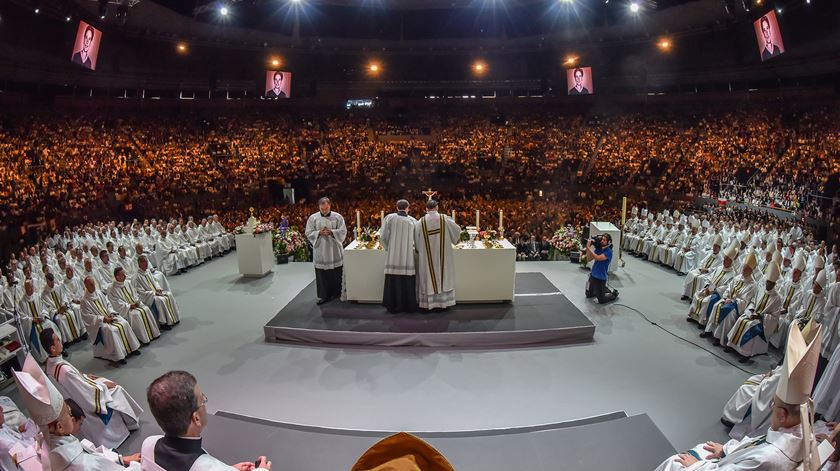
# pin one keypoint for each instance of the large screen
(86, 47)
(769, 36)
(278, 84)
(579, 81)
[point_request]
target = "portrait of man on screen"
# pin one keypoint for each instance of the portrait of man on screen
(769, 36)
(277, 84)
(86, 47)
(580, 81)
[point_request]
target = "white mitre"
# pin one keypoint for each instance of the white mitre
(41, 398)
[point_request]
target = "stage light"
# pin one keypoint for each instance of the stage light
(664, 45)
(779, 10)
(37, 10)
(374, 68)
(634, 7)
(68, 18)
(570, 61)
(479, 68)
(103, 9)
(275, 63)
(567, 1)
(224, 11)
(182, 48)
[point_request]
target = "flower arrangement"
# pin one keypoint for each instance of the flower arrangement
(369, 239)
(565, 241)
(490, 237)
(465, 235)
(288, 239)
(259, 229)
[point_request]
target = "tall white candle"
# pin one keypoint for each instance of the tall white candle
(476, 219)
(501, 220)
(358, 223)
(381, 216)
(453, 215)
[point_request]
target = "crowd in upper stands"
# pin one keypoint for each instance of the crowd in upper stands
(62, 169)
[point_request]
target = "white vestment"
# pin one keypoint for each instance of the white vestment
(33, 319)
(111, 413)
(68, 454)
(695, 279)
(143, 322)
(110, 341)
(434, 236)
(64, 313)
(777, 451)
(147, 288)
(750, 407)
(327, 252)
(397, 238)
(204, 463)
(827, 392)
(749, 333)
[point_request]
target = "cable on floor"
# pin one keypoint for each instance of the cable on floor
(712, 352)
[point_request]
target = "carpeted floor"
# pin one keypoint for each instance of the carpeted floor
(631, 365)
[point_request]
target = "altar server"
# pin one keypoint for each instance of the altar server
(112, 336)
(154, 295)
(434, 236)
(788, 441)
(397, 238)
(113, 413)
(326, 232)
(180, 409)
(49, 410)
(34, 318)
(748, 336)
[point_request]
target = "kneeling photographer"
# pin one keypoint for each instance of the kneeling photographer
(599, 250)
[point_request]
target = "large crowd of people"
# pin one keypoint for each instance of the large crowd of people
(64, 169)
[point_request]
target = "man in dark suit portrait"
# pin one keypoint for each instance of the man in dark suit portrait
(578, 89)
(277, 91)
(770, 49)
(82, 57)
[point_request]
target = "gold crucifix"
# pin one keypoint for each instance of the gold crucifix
(430, 193)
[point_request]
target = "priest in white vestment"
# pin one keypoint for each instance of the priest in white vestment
(434, 236)
(737, 294)
(154, 295)
(34, 319)
(50, 411)
(326, 232)
(112, 336)
(827, 393)
(180, 409)
(127, 304)
(397, 238)
(16, 436)
(789, 440)
(710, 294)
(697, 277)
(748, 336)
(112, 413)
(791, 292)
(65, 314)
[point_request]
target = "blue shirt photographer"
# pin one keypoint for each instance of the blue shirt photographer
(599, 269)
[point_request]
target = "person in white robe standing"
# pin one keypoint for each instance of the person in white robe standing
(434, 236)
(159, 299)
(112, 336)
(127, 304)
(112, 411)
(326, 232)
(787, 442)
(180, 409)
(397, 238)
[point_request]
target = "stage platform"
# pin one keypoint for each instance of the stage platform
(609, 441)
(540, 314)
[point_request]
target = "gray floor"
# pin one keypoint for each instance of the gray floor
(631, 365)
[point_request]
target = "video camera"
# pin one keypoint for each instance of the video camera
(601, 241)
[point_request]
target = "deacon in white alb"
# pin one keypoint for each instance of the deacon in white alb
(112, 336)
(34, 319)
(397, 237)
(434, 236)
(326, 232)
(111, 411)
(65, 314)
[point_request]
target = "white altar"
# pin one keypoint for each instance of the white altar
(255, 253)
(598, 228)
(481, 274)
